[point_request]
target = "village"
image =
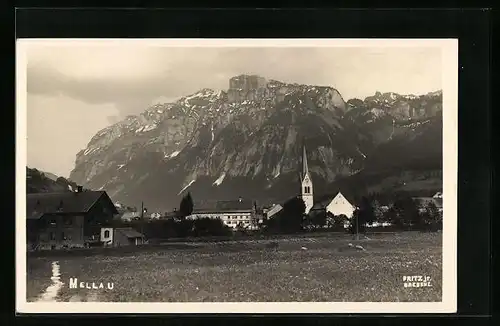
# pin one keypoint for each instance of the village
(85, 218)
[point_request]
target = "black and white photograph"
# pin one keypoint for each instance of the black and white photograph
(233, 175)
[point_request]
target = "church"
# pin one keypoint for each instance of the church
(306, 183)
(339, 205)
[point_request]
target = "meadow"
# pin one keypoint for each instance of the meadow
(321, 268)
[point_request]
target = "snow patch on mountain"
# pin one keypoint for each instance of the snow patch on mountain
(172, 155)
(220, 179)
(89, 151)
(364, 156)
(189, 184)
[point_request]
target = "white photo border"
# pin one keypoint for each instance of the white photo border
(450, 182)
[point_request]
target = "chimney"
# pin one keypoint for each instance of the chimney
(79, 189)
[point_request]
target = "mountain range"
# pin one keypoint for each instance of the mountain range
(247, 141)
(39, 181)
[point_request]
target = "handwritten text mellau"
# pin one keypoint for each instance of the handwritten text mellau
(74, 284)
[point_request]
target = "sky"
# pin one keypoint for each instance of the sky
(75, 91)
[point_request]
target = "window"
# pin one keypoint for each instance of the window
(52, 236)
(106, 234)
(52, 222)
(67, 220)
(60, 207)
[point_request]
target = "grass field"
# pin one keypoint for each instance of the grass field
(328, 270)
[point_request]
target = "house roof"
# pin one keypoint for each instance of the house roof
(129, 233)
(240, 204)
(227, 206)
(40, 204)
(318, 206)
(275, 209)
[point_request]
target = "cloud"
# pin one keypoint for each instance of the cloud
(75, 89)
(58, 127)
(132, 77)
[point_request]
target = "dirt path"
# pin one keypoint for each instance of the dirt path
(52, 292)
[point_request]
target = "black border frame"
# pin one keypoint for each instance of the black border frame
(471, 27)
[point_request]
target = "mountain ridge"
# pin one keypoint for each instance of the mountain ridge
(247, 140)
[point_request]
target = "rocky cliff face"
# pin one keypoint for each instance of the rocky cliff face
(245, 141)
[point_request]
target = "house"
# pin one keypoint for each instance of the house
(117, 237)
(155, 216)
(340, 206)
(129, 216)
(66, 219)
(232, 213)
(273, 211)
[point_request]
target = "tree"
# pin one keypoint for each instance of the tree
(210, 227)
(289, 219)
(431, 217)
(404, 212)
(293, 215)
(378, 213)
(330, 220)
(363, 215)
(186, 206)
(366, 212)
(336, 222)
(357, 226)
(316, 219)
(340, 221)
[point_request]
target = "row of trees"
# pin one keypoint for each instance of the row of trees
(404, 214)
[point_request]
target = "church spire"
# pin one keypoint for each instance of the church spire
(305, 168)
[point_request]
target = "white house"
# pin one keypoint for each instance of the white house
(340, 205)
(155, 216)
(232, 213)
(129, 216)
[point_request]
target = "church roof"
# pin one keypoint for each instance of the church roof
(340, 196)
(305, 166)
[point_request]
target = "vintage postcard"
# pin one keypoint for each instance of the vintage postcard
(236, 175)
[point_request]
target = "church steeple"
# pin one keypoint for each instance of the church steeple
(306, 183)
(305, 168)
